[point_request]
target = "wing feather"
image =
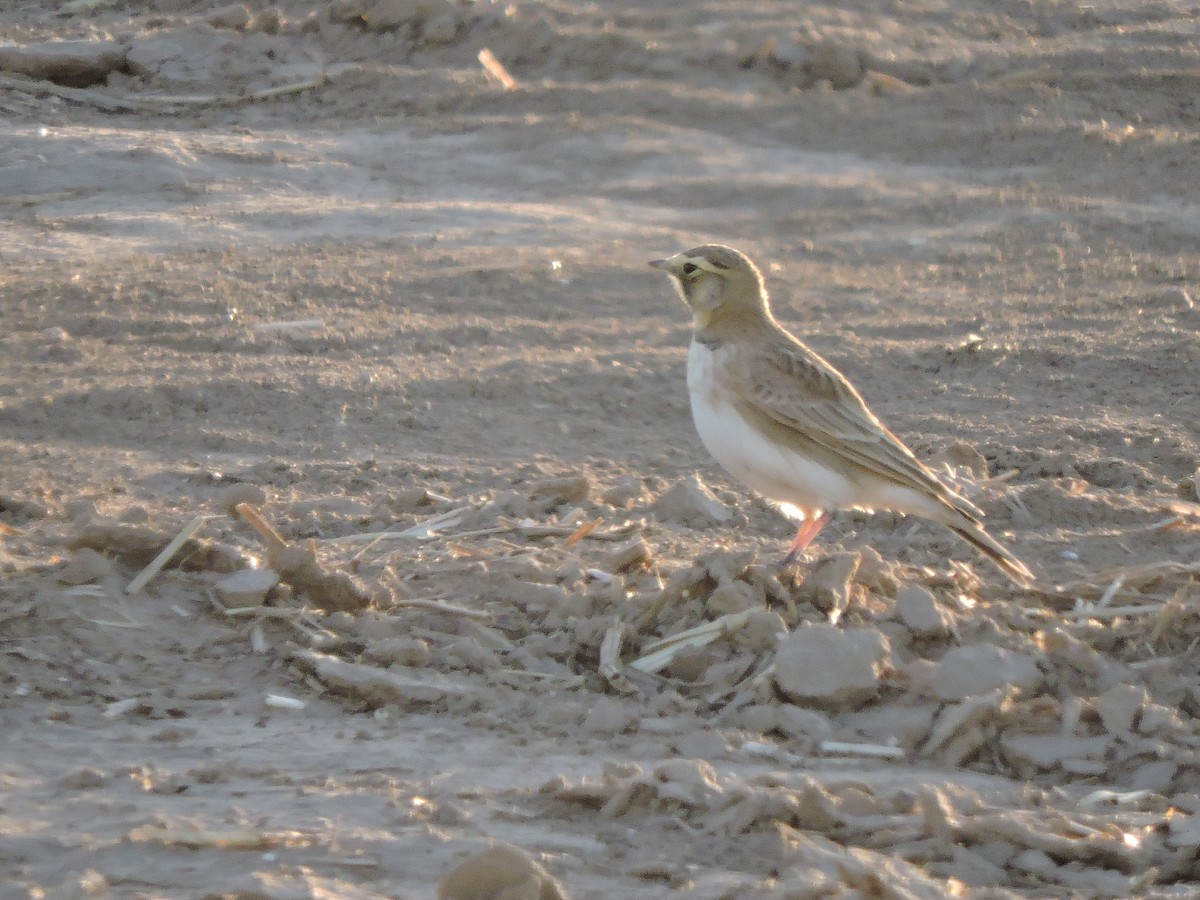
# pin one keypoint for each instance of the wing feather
(798, 389)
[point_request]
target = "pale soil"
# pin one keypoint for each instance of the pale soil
(1003, 256)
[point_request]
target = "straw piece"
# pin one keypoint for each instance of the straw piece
(878, 751)
(658, 655)
(275, 543)
(436, 605)
(164, 557)
(493, 67)
(296, 325)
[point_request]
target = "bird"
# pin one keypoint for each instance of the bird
(787, 424)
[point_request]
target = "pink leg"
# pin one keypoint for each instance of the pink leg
(808, 530)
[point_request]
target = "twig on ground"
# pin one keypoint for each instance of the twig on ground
(421, 531)
(435, 604)
(164, 557)
(878, 751)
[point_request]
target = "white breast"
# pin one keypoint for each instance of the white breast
(800, 487)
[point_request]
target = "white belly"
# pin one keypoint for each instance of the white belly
(800, 487)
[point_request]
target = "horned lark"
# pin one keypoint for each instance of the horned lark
(789, 425)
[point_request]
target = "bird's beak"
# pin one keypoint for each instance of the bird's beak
(659, 263)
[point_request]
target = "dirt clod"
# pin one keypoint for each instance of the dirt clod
(827, 665)
(502, 872)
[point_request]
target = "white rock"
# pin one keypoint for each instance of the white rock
(919, 612)
(1156, 717)
(827, 665)
(1120, 705)
(246, 587)
(827, 584)
(229, 497)
(1035, 862)
(690, 502)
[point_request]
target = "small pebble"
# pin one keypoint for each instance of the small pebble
(246, 587)
(229, 497)
(918, 609)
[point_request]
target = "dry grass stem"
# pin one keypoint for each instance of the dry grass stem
(156, 564)
(435, 604)
(493, 67)
(421, 531)
(658, 654)
(274, 542)
(877, 751)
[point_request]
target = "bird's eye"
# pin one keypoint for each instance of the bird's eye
(689, 268)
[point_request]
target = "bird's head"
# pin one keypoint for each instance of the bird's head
(715, 280)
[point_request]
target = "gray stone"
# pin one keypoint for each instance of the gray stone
(1120, 705)
(1050, 751)
(500, 871)
(827, 584)
(690, 502)
(1154, 776)
(73, 63)
(840, 65)
(246, 587)
(826, 665)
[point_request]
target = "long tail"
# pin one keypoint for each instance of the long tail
(973, 534)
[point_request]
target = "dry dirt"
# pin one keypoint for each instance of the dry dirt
(407, 295)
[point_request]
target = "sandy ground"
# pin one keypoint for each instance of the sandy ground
(995, 236)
